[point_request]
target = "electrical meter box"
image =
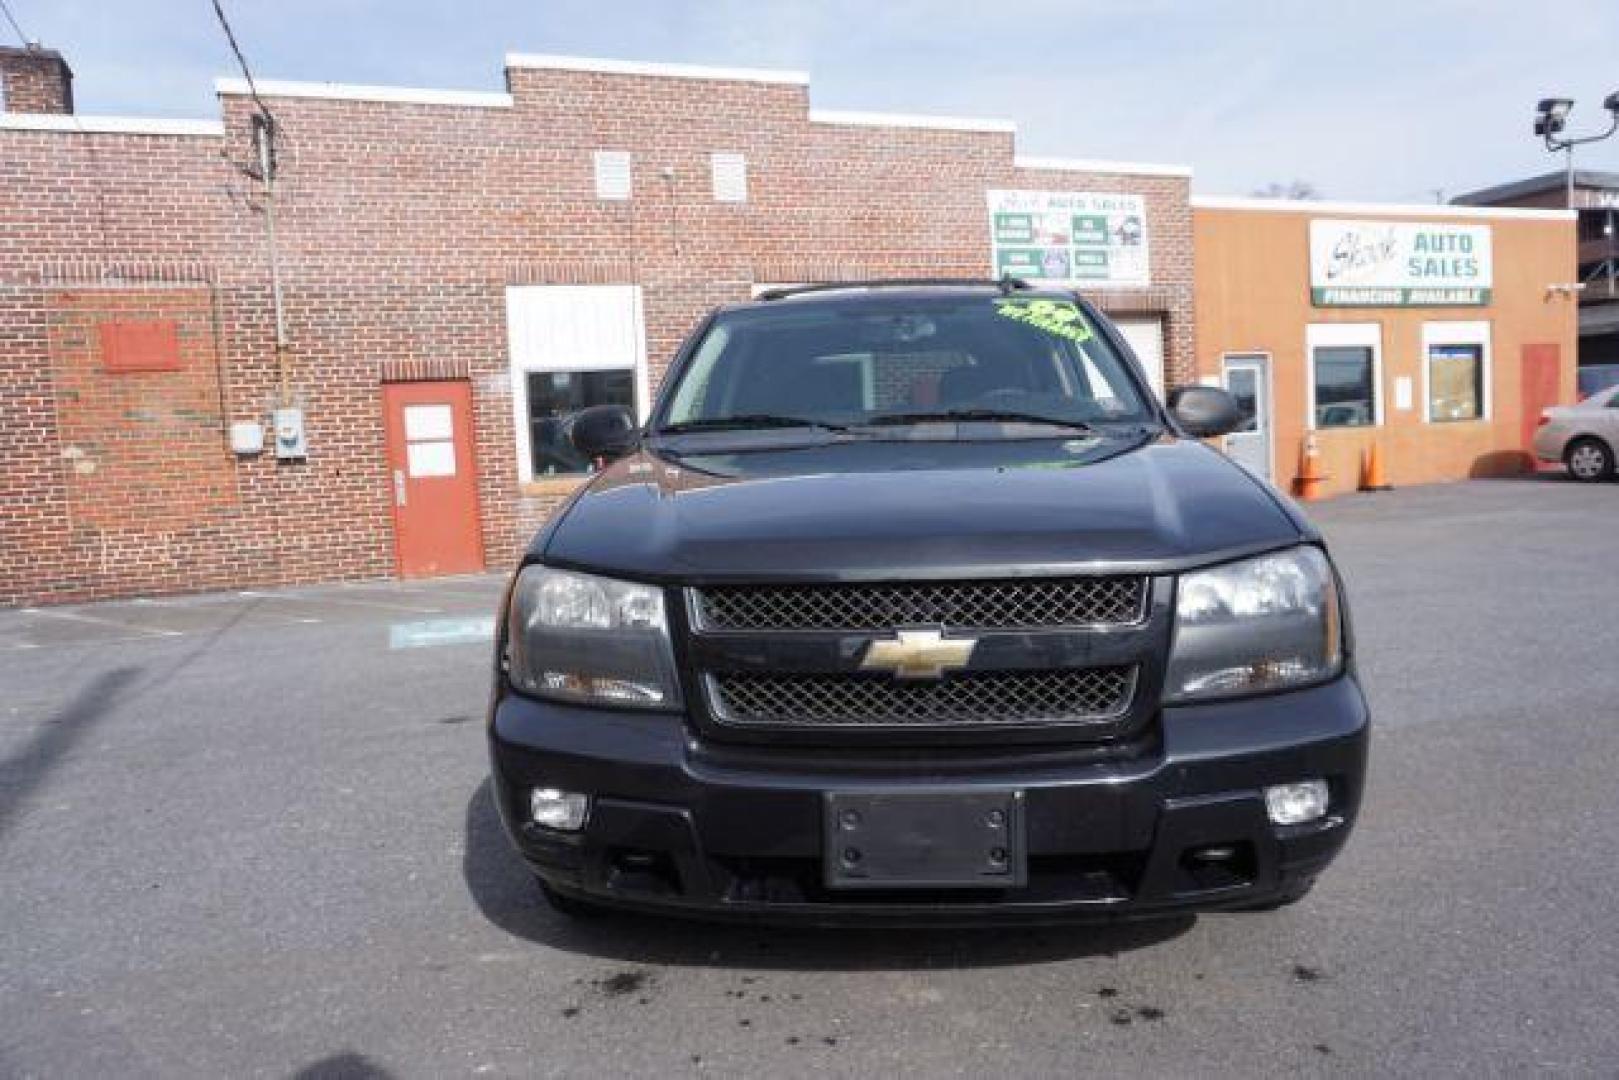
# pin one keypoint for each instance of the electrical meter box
(247, 437)
(289, 434)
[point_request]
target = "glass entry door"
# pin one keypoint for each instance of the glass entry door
(1247, 378)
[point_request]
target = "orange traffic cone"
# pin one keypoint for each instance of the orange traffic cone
(1311, 478)
(1371, 472)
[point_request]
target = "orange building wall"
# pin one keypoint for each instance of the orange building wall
(1252, 294)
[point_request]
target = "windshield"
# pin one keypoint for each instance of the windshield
(904, 360)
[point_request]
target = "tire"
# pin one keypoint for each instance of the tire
(572, 907)
(1589, 460)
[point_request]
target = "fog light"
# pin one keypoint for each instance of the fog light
(1295, 804)
(562, 810)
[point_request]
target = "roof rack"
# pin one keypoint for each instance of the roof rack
(1005, 284)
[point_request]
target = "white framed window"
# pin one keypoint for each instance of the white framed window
(612, 174)
(1456, 370)
(730, 177)
(570, 347)
(1344, 387)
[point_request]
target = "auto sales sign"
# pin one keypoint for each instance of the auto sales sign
(1398, 264)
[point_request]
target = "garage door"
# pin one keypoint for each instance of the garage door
(1145, 333)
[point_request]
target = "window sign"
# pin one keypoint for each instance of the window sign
(1455, 382)
(1399, 264)
(1456, 370)
(1069, 237)
(1403, 393)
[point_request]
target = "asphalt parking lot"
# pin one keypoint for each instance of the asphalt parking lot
(249, 834)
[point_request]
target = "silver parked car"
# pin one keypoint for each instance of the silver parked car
(1585, 437)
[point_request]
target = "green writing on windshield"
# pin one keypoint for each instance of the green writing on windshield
(1059, 317)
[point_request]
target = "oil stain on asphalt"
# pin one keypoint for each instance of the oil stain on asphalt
(622, 983)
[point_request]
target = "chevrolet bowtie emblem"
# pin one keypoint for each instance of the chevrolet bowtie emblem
(918, 654)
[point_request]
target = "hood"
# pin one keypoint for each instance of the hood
(876, 511)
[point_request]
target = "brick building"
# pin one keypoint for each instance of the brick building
(457, 267)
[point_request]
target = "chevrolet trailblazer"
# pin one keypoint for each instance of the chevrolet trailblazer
(911, 603)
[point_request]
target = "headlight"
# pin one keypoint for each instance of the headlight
(578, 637)
(1268, 623)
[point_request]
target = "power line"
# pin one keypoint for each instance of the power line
(230, 36)
(12, 19)
(264, 135)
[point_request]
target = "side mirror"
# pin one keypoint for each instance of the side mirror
(603, 431)
(1205, 411)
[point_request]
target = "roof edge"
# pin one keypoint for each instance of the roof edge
(910, 120)
(605, 66)
(332, 91)
(1534, 185)
(1414, 210)
(110, 125)
(1099, 165)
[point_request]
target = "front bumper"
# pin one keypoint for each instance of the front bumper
(687, 826)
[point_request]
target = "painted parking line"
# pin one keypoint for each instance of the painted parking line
(23, 646)
(55, 613)
(320, 598)
(191, 615)
(459, 607)
(487, 595)
(430, 633)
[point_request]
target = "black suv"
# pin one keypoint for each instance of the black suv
(911, 603)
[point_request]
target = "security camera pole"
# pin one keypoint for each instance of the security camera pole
(1551, 115)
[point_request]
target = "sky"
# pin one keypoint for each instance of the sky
(1363, 99)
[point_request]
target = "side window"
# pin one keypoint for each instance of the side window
(1455, 382)
(1343, 378)
(1456, 368)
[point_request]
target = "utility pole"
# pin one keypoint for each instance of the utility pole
(264, 137)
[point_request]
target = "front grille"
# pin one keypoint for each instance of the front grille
(1067, 696)
(979, 605)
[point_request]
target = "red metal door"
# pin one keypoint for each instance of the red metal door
(1541, 373)
(434, 481)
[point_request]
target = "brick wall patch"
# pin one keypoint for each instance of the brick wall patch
(136, 345)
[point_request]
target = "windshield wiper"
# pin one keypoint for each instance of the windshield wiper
(969, 416)
(744, 421)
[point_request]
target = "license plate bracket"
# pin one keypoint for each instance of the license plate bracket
(946, 839)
